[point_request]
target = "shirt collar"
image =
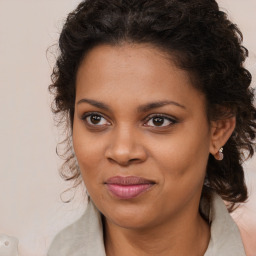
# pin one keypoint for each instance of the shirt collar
(225, 236)
(85, 236)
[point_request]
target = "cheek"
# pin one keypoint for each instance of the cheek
(184, 155)
(87, 146)
(88, 152)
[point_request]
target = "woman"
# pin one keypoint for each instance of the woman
(160, 115)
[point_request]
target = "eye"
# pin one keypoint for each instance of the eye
(159, 121)
(95, 119)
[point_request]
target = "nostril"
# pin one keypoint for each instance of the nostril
(6, 243)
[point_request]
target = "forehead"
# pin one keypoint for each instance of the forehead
(136, 71)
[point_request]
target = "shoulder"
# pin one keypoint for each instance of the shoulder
(82, 238)
(85, 236)
(225, 236)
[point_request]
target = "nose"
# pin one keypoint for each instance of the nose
(125, 147)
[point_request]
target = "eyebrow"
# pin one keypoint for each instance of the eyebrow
(158, 104)
(94, 103)
(142, 108)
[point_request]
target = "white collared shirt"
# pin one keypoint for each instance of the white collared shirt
(85, 236)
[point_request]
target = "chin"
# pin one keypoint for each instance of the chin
(131, 222)
(130, 217)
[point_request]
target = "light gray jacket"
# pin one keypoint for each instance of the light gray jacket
(85, 236)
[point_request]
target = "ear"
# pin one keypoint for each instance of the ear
(221, 130)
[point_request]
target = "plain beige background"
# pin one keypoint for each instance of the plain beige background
(30, 186)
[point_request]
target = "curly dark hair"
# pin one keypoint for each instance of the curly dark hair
(201, 39)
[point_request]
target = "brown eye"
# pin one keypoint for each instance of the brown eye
(159, 121)
(96, 120)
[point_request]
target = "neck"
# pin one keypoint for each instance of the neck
(178, 237)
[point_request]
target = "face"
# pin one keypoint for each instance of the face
(140, 135)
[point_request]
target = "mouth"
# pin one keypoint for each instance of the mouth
(128, 187)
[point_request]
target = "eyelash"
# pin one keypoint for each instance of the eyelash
(90, 114)
(172, 120)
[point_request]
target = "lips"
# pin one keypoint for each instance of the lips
(128, 187)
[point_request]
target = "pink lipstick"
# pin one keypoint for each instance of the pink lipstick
(128, 187)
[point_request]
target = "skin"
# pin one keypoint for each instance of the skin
(118, 83)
